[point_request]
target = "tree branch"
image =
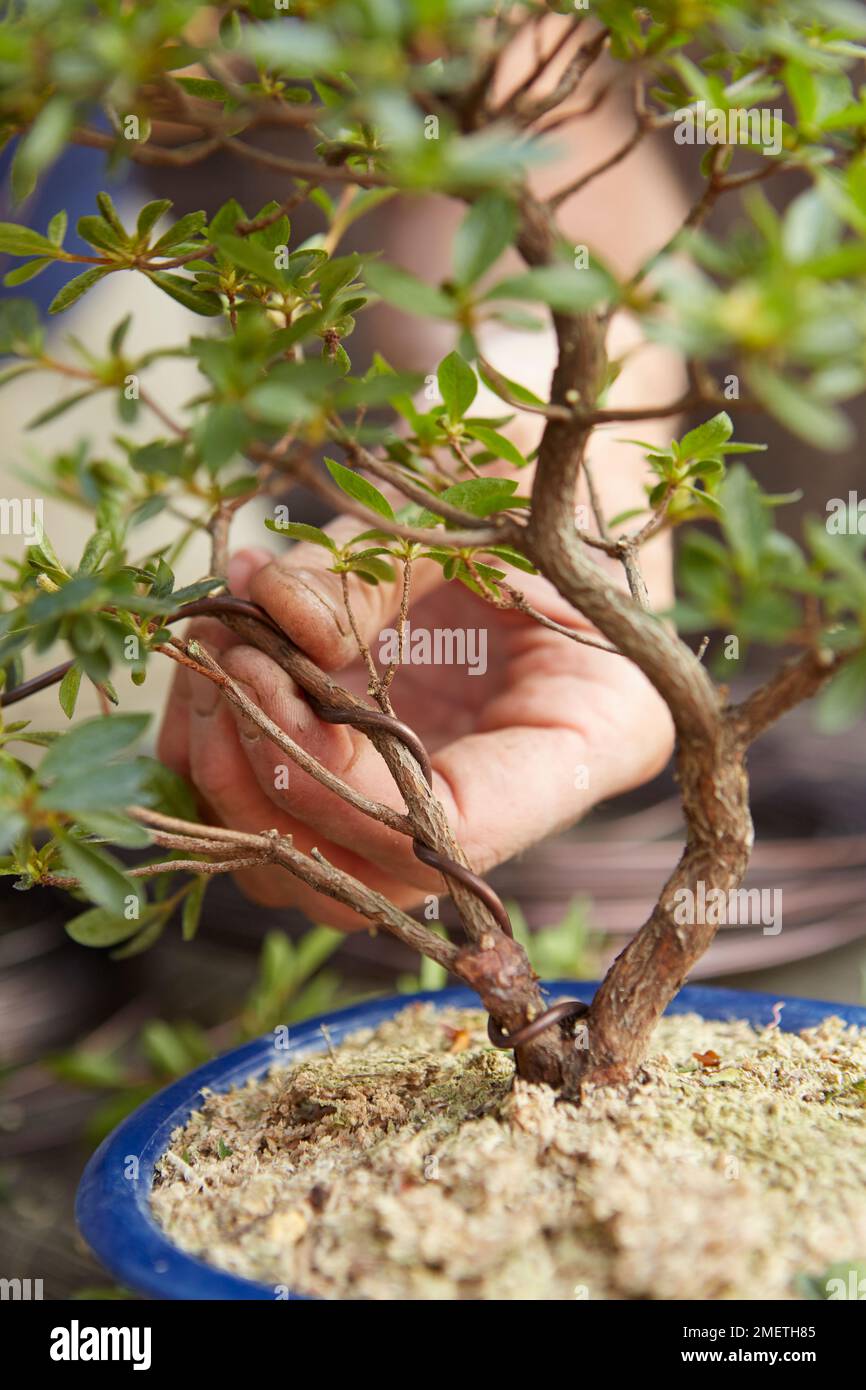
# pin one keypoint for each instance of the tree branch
(796, 681)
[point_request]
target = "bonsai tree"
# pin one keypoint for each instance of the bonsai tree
(408, 100)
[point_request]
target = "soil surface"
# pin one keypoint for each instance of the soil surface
(408, 1163)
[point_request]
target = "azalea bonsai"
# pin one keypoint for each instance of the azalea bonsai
(408, 100)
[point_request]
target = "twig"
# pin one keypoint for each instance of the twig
(401, 626)
(188, 866)
(520, 602)
(375, 686)
(794, 682)
(594, 499)
(563, 194)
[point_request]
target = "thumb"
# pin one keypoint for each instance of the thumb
(306, 599)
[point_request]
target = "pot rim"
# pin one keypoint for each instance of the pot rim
(113, 1212)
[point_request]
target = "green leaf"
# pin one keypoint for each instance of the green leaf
(187, 228)
(41, 145)
(485, 575)
(173, 1048)
(300, 531)
(166, 791)
(485, 232)
(85, 1067)
(496, 444)
(410, 294)
(150, 215)
(92, 744)
(293, 46)
(97, 927)
(809, 228)
(144, 939)
(100, 876)
(563, 288)
(21, 241)
(221, 434)
(355, 486)
(704, 442)
(841, 705)
(802, 414)
(278, 963)
(20, 331)
(11, 373)
(75, 288)
(511, 557)
(457, 384)
(69, 688)
(13, 787)
(116, 785)
(192, 908)
(167, 456)
(250, 256)
(110, 214)
(519, 393)
(57, 228)
(118, 335)
(745, 520)
(60, 407)
(100, 234)
(313, 949)
(115, 827)
(371, 568)
(22, 273)
(478, 496)
(186, 292)
(204, 87)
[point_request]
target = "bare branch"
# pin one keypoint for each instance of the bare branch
(318, 874)
(796, 681)
(520, 603)
(375, 686)
(563, 194)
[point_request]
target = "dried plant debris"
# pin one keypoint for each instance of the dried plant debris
(408, 1164)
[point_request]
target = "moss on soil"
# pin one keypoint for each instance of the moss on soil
(408, 1164)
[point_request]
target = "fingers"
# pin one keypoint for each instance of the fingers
(173, 741)
(306, 601)
(221, 772)
(339, 748)
(172, 745)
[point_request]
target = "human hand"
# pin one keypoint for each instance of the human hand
(520, 749)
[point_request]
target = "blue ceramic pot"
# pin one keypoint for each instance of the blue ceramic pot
(112, 1209)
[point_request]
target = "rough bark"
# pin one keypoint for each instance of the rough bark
(710, 754)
